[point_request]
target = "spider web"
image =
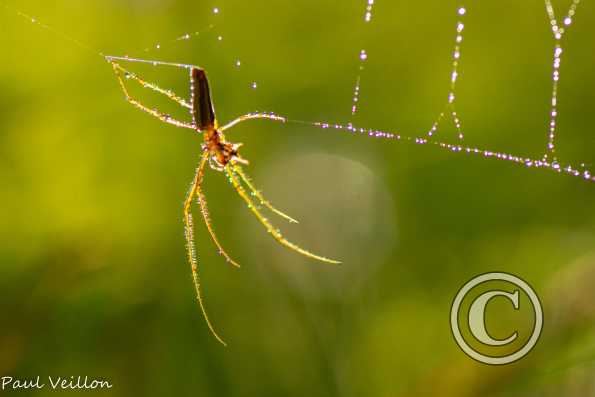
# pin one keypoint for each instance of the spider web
(560, 24)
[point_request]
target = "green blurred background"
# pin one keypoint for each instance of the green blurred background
(93, 275)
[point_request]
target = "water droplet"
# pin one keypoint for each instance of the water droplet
(254, 85)
(215, 10)
(462, 11)
(363, 55)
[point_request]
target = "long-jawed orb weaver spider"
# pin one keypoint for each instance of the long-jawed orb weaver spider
(220, 154)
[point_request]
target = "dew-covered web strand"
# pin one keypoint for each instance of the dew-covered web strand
(216, 12)
(455, 148)
(558, 30)
(184, 37)
(450, 108)
(53, 31)
(190, 35)
(209, 32)
(237, 63)
(362, 58)
(545, 163)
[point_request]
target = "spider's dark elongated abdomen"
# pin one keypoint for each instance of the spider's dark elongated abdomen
(203, 113)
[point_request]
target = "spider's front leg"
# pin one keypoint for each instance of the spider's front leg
(253, 116)
(119, 70)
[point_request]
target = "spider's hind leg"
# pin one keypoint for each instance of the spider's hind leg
(258, 194)
(190, 246)
(204, 210)
(231, 172)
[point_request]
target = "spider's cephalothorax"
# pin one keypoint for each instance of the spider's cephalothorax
(220, 154)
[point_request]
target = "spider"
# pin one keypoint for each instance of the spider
(218, 153)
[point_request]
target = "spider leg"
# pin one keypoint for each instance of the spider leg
(118, 70)
(238, 170)
(204, 210)
(146, 84)
(190, 247)
(253, 116)
(270, 228)
(112, 58)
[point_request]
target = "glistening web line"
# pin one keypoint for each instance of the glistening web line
(454, 77)
(55, 32)
(526, 162)
(363, 57)
(547, 162)
(558, 31)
